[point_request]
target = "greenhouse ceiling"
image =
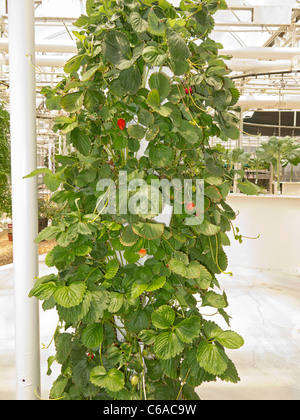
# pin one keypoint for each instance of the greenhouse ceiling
(245, 30)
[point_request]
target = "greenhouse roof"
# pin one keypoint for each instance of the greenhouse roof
(246, 23)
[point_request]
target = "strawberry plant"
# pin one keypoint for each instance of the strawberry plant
(143, 96)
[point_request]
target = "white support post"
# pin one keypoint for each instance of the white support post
(24, 194)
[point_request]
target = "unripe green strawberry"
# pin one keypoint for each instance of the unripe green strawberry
(135, 380)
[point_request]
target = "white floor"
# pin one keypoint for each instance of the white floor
(265, 310)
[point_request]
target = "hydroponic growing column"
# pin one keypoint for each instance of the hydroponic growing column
(24, 194)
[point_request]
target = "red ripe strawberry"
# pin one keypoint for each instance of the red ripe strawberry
(190, 206)
(187, 91)
(142, 252)
(91, 355)
(121, 124)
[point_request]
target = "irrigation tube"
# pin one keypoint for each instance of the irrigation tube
(24, 195)
(262, 53)
(269, 102)
(42, 60)
(46, 46)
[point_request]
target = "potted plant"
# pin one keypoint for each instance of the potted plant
(236, 162)
(10, 232)
(131, 291)
(291, 187)
(260, 169)
(47, 211)
(279, 152)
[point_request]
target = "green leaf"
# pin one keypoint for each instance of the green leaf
(48, 234)
(248, 188)
(137, 131)
(52, 181)
(230, 374)
(211, 330)
(215, 300)
(130, 80)
(113, 380)
(153, 99)
(82, 250)
(148, 230)
(188, 329)
(189, 393)
(137, 320)
(161, 155)
(155, 26)
(147, 336)
(231, 131)
(138, 24)
(43, 291)
(76, 313)
(212, 358)
(156, 284)
(163, 318)
(145, 117)
(37, 172)
(69, 296)
(221, 99)
(129, 238)
(177, 45)
(140, 287)
(90, 7)
(180, 255)
(57, 255)
(206, 228)
(152, 133)
(191, 272)
(73, 64)
(134, 145)
(81, 141)
(120, 142)
(116, 301)
(92, 335)
(63, 345)
(154, 371)
(98, 304)
(83, 228)
(160, 82)
(213, 193)
(205, 279)
(58, 387)
(112, 267)
(230, 340)
(154, 56)
(167, 345)
(191, 133)
(180, 67)
(82, 21)
(170, 367)
(72, 102)
(116, 49)
(90, 72)
(93, 99)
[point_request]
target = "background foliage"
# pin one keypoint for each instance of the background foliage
(5, 189)
(133, 328)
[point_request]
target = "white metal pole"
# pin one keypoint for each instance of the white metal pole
(24, 194)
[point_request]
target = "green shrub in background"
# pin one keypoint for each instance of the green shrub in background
(5, 175)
